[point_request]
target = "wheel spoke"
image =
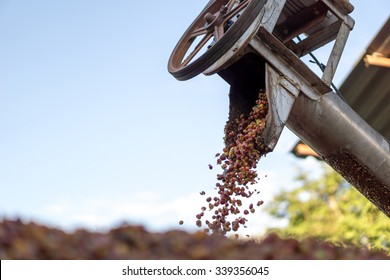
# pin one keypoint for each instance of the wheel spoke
(231, 4)
(200, 45)
(234, 11)
(233, 8)
(218, 32)
(198, 32)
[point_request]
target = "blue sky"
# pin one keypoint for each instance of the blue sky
(94, 130)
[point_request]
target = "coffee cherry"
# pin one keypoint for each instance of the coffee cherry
(238, 162)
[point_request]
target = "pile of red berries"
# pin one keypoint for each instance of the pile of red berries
(31, 241)
(238, 161)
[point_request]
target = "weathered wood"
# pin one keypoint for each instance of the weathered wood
(343, 5)
(377, 60)
(338, 11)
(272, 10)
(237, 50)
(277, 54)
(316, 40)
(301, 22)
(335, 55)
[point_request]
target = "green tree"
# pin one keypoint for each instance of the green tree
(330, 209)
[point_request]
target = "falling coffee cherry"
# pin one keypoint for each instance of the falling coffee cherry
(238, 161)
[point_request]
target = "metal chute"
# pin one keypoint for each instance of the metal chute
(257, 51)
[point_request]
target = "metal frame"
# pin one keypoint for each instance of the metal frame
(304, 102)
(297, 97)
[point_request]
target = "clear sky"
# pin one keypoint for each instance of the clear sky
(93, 129)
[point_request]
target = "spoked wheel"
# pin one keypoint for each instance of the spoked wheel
(218, 27)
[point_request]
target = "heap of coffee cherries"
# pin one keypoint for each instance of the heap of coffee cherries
(238, 161)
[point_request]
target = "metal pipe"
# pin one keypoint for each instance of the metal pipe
(344, 140)
(315, 114)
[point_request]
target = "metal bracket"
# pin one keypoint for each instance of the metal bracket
(281, 96)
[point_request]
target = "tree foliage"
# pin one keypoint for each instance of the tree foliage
(330, 209)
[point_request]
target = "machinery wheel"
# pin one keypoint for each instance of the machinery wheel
(218, 27)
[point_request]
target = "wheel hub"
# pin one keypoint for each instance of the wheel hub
(222, 24)
(214, 20)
